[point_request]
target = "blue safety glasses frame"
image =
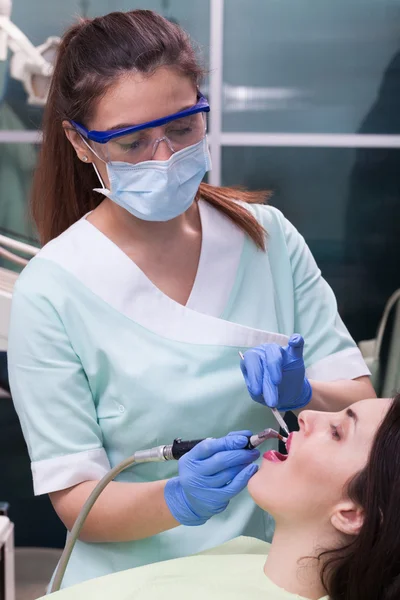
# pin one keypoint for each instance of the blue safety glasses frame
(102, 137)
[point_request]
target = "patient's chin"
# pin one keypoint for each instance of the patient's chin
(259, 490)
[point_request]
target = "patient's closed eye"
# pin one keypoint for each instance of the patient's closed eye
(335, 432)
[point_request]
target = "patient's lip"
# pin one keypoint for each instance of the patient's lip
(289, 442)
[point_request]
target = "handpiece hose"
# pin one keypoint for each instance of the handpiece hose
(158, 454)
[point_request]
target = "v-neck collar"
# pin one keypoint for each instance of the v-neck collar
(221, 249)
(104, 269)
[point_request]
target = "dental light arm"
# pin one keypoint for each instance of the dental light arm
(5, 11)
(31, 65)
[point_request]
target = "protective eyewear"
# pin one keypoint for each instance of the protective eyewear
(138, 143)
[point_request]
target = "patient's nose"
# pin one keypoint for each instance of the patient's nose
(308, 421)
(312, 421)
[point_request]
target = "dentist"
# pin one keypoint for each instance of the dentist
(125, 328)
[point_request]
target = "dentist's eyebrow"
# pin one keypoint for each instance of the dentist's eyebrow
(350, 413)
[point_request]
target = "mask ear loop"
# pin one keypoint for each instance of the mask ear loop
(99, 176)
(93, 164)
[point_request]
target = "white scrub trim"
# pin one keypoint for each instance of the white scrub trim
(221, 238)
(82, 248)
(346, 364)
(61, 472)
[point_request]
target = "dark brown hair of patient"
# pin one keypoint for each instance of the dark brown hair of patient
(369, 567)
(92, 55)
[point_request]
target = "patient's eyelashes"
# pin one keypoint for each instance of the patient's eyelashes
(335, 432)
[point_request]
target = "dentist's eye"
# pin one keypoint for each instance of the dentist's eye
(335, 432)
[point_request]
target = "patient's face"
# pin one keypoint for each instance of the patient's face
(327, 451)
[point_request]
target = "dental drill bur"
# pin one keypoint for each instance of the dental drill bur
(268, 434)
(275, 411)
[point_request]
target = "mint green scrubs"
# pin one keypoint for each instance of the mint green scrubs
(102, 363)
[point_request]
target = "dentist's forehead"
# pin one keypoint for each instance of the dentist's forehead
(138, 98)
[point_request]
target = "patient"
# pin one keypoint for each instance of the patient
(336, 502)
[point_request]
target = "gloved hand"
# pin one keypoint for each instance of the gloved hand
(275, 376)
(210, 475)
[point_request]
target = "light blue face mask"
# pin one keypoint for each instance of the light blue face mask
(158, 190)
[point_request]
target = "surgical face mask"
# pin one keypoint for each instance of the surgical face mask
(158, 190)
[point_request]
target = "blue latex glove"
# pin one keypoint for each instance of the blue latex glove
(275, 376)
(210, 475)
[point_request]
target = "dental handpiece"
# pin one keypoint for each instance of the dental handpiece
(180, 447)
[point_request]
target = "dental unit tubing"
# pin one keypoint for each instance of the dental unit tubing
(157, 454)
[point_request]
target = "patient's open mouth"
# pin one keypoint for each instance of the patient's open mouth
(274, 456)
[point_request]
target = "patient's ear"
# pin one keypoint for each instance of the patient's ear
(347, 517)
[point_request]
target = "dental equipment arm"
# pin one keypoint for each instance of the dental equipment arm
(127, 497)
(31, 65)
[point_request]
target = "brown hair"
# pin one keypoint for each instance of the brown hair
(369, 567)
(92, 55)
